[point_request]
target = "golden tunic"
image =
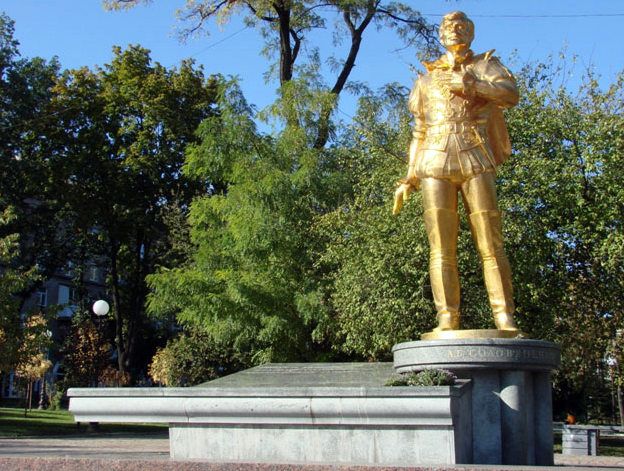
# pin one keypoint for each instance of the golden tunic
(461, 135)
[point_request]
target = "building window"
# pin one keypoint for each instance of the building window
(93, 274)
(68, 269)
(42, 297)
(66, 295)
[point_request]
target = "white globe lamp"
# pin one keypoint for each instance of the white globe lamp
(101, 308)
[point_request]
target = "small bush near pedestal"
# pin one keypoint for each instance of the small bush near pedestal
(423, 378)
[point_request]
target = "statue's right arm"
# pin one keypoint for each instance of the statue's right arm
(415, 144)
(410, 182)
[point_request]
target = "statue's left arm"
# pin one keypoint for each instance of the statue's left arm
(491, 81)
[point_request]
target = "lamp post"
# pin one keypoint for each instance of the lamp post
(100, 309)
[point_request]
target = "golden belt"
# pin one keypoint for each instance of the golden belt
(452, 128)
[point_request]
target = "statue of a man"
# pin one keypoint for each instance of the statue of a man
(459, 138)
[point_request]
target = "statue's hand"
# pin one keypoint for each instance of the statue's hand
(401, 194)
(461, 81)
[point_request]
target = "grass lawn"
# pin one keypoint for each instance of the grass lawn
(611, 446)
(42, 423)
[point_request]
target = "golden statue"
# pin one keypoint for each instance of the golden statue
(459, 139)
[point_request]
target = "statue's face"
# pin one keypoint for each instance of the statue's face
(456, 32)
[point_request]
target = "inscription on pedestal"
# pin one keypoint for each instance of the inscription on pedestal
(495, 353)
(476, 353)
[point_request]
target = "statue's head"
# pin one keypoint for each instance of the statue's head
(456, 30)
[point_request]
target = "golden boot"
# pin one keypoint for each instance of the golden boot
(487, 233)
(442, 227)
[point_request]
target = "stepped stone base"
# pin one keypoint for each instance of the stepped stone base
(338, 413)
(500, 411)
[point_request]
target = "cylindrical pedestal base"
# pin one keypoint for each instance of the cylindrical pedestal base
(511, 392)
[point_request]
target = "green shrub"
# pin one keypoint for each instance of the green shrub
(56, 400)
(423, 378)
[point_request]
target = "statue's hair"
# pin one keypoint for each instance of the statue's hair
(458, 15)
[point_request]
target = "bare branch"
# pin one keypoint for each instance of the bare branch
(356, 40)
(286, 52)
(398, 18)
(314, 7)
(347, 19)
(341, 80)
(203, 12)
(296, 47)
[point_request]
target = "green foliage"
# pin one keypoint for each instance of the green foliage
(377, 282)
(376, 264)
(288, 26)
(563, 213)
(432, 377)
(248, 282)
(298, 258)
(192, 358)
(27, 239)
(276, 246)
(13, 333)
(562, 194)
(56, 400)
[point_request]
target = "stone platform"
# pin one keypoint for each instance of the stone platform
(499, 412)
(336, 413)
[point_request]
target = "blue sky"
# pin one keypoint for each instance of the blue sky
(81, 33)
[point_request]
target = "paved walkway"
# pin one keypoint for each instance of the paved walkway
(152, 453)
(96, 447)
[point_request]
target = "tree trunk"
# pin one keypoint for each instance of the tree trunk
(119, 337)
(356, 42)
(30, 393)
(286, 56)
(620, 402)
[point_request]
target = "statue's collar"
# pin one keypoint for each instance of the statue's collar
(449, 61)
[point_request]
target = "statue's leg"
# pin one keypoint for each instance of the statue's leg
(442, 223)
(485, 221)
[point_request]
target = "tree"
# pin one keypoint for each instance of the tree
(86, 353)
(248, 282)
(25, 153)
(287, 26)
(33, 364)
(12, 282)
(376, 265)
(121, 135)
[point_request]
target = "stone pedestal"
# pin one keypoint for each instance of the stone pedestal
(511, 399)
